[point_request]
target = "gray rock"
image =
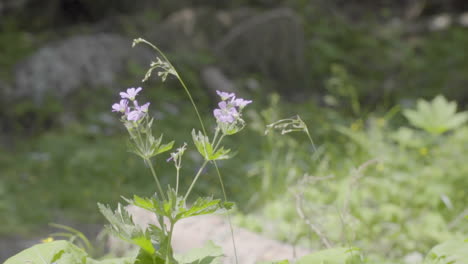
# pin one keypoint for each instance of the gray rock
(244, 40)
(87, 61)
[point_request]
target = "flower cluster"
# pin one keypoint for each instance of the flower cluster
(130, 113)
(230, 108)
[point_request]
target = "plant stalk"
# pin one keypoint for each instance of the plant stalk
(150, 165)
(195, 179)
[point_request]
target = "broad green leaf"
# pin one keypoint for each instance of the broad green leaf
(333, 256)
(450, 252)
(436, 117)
(60, 252)
(208, 254)
(144, 257)
(122, 226)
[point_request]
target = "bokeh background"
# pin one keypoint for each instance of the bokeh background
(349, 68)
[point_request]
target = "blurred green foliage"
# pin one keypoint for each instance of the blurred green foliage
(14, 46)
(405, 202)
(384, 60)
(386, 188)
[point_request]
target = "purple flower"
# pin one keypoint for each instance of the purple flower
(241, 103)
(144, 108)
(226, 113)
(224, 95)
(135, 115)
(131, 93)
(120, 107)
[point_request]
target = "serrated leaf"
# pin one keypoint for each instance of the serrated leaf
(203, 206)
(168, 208)
(210, 253)
(144, 258)
(205, 148)
(221, 154)
(202, 144)
(122, 226)
(144, 203)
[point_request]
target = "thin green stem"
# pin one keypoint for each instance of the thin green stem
(215, 136)
(217, 144)
(310, 139)
(177, 180)
(169, 237)
(228, 214)
(153, 172)
(181, 82)
(192, 101)
(139, 140)
(195, 179)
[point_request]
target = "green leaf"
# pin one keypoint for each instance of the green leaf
(165, 147)
(175, 208)
(205, 148)
(203, 144)
(203, 206)
(221, 154)
(144, 258)
(168, 208)
(436, 117)
(333, 256)
(122, 226)
(450, 252)
(60, 252)
(208, 254)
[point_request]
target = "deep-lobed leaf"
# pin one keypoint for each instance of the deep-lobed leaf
(122, 226)
(205, 148)
(203, 206)
(203, 145)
